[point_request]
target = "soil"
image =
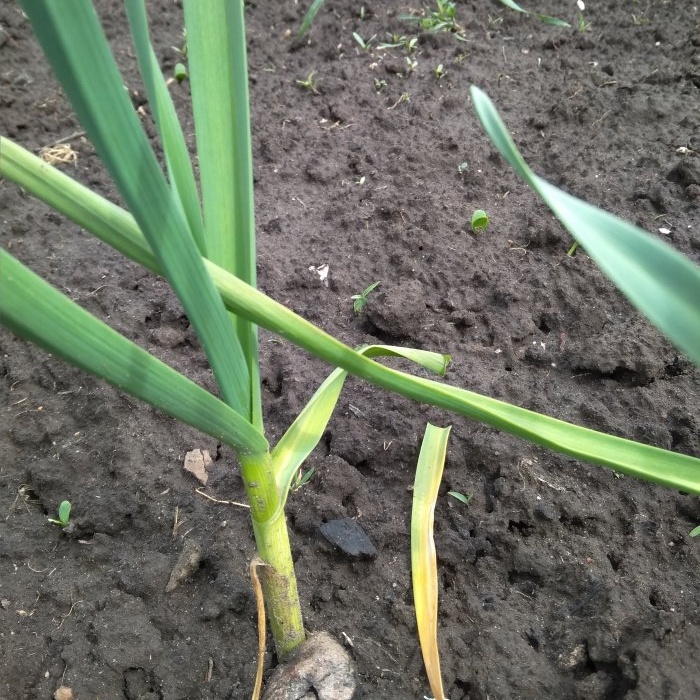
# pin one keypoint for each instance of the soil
(559, 580)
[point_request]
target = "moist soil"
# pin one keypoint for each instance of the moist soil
(560, 579)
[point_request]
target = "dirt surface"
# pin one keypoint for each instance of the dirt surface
(560, 580)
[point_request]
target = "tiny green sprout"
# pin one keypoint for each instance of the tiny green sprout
(379, 84)
(439, 71)
(461, 497)
(301, 479)
(463, 167)
(362, 43)
(360, 300)
(309, 83)
(180, 72)
(695, 532)
(572, 251)
(63, 514)
(411, 65)
(360, 180)
(583, 26)
(480, 221)
(363, 12)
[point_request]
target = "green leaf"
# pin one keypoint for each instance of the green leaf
(74, 43)
(695, 532)
(480, 221)
(302, 436)
(667, 468)
(34, 310)
(431, 462)
(64, 511)
(461, 497)
(543, 18)
(309, 17)
(176, 154)
(663, 284)
(216, 51)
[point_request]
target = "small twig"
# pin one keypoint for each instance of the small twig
(226, 503)
(210, 671)
(177, 523)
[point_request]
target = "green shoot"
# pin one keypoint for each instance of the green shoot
(309, 17)
(583, 26)
(362, 43)
(463, 167)
(695, 532)
(546, 19)
(480, 221)
(399, 41)
(309, 83)
(461, 497)
(440, 19)
(301, 479)
(180, 72)
(439, 71)
(361, 298)
(63, 517)
(572, 251)
(379, 84)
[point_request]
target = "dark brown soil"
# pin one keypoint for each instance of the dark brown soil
(560, 580)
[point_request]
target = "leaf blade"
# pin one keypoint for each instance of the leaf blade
(658, 280)
(431, 462)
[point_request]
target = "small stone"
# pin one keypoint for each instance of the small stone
(196, 463)
(545, 511)
(349, 537)
(187, 563)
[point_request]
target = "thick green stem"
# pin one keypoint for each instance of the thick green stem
(272, 539)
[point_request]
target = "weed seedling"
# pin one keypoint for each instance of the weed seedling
(362, 43)
(480, 221)
(440, 19)
(695, 532)
(439, 71)
(301, 479)
(463, 167)
(461, 497)
(309, 83)
(180, 72)
(399, 41)
(379, 84)
(360, 300)
(583, 26)
(63, 517)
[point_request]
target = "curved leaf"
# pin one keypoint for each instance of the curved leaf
(663, 284)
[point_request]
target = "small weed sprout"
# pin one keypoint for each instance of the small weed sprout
(695, 532)
(480, 221)
(362, 43)
(379, 84)
(440, 19)
(583, 26)
(466, 499)
(301, 479)
(439, 71)
(463, 167)
(309, 83)
(63, 517)
(360, 300)
(399, 41)
(411, 65)
(180, 72)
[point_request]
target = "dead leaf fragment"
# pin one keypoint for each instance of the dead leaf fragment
(187, 563)
(63, 693)
(196, 463)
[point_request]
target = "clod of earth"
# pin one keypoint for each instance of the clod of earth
(320, 670)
